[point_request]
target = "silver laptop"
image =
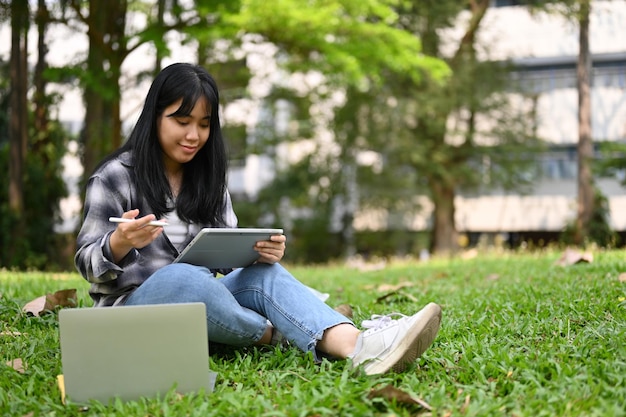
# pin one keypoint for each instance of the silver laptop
(225, 247)
(134, 351)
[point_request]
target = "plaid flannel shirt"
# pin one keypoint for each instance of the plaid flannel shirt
(111, 192)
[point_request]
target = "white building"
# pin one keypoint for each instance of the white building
(545, 49)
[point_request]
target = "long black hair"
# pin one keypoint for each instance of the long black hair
(201, 198)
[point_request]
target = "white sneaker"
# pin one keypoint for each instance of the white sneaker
(392, 344)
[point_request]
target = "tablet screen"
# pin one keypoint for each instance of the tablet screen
(218, 248)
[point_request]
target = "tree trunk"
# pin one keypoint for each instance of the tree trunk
(585, 142)
(107, 50)
(444, 237)
(18, 130)
(158, 62)
(39, 98)
(18, 104)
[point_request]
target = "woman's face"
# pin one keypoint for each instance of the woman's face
(181, 137)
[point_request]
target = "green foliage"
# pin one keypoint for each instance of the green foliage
(520, 336)
(470, 121)
(460, 129)
(349, 41)
(389, 243)
(599, 229)
(39, 246)
(612, 160)
(310, 238)
(313, 242)
(4, 104)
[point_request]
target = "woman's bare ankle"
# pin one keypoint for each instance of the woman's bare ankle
(339, 341)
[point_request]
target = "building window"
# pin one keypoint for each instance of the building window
(541, 80)
(506, 3)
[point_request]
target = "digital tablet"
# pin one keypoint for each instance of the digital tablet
(225, 247)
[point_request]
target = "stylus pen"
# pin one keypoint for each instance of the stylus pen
(121, 220)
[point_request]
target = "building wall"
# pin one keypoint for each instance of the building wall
(545, 48)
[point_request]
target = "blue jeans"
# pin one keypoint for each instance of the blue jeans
(239, 304)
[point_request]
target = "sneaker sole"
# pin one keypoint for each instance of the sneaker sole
(421, 335)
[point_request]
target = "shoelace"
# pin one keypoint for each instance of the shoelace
(378, 321)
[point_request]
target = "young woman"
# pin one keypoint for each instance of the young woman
(173, 167)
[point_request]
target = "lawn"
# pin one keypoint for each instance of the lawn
(520, 336)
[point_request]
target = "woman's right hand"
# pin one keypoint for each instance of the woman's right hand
(136, 234)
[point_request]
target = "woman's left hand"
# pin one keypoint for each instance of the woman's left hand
(271, 251)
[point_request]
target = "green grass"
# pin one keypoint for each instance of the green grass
(520, 337)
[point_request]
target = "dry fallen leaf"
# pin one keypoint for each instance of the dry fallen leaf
(49, 302)
(17, 364)
(395, 287)
(345, 309)
(400, 294)
(390, 393)
(622, 277)
(574, 256)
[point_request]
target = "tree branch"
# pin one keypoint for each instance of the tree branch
(478, 9)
